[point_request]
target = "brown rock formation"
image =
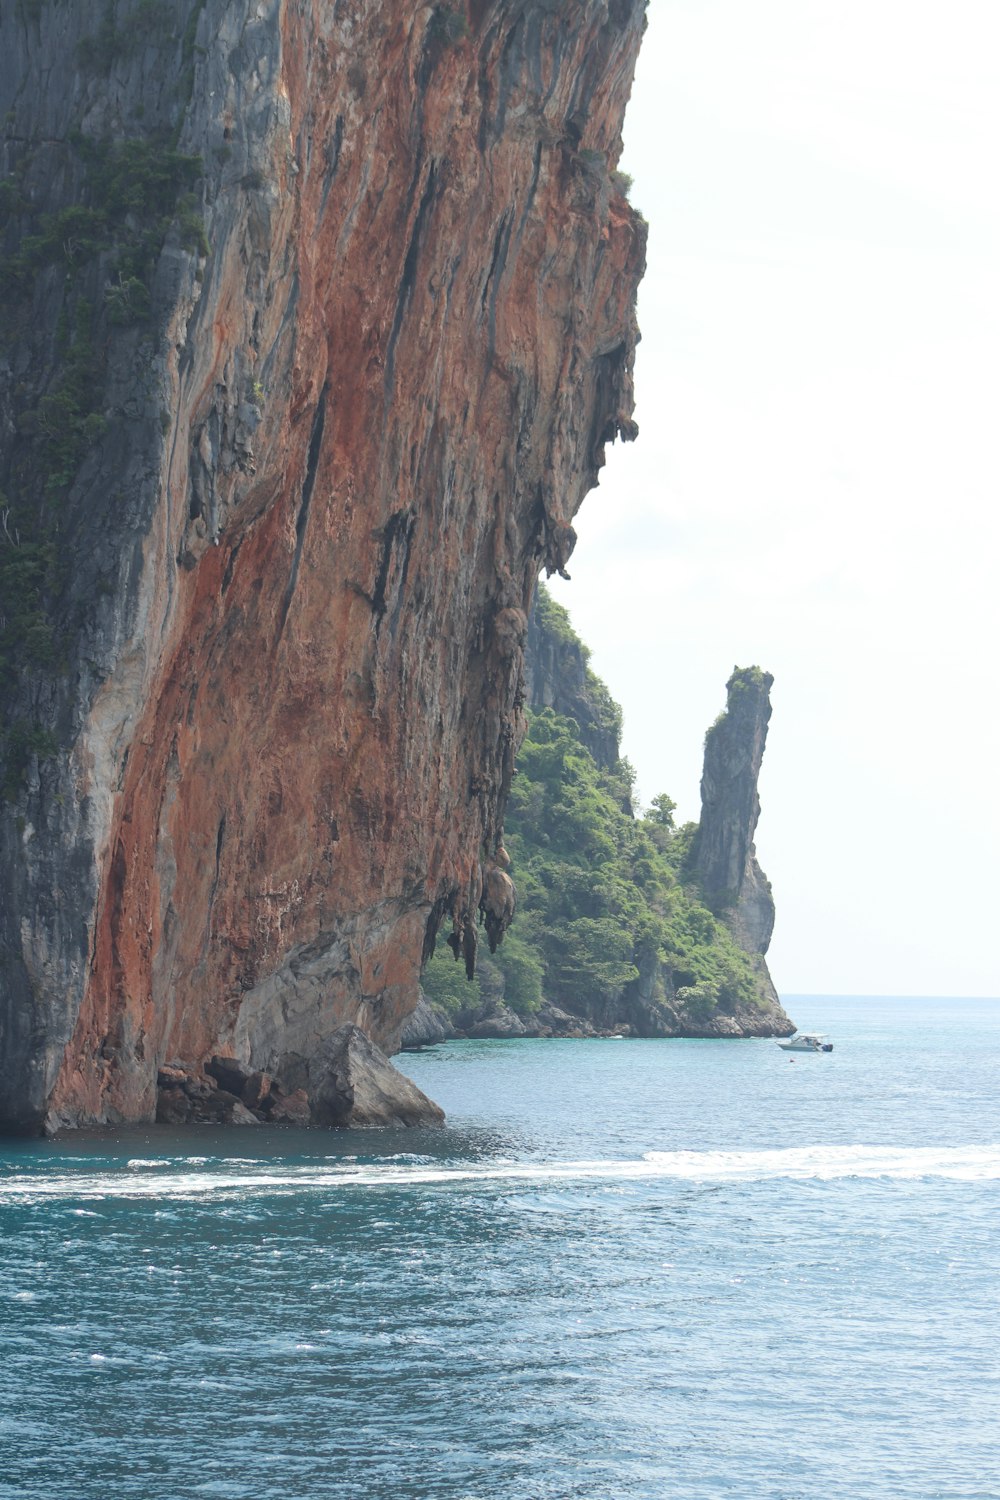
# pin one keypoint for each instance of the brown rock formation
(287, 726)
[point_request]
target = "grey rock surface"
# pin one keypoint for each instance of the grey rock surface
(240, 1115)
(726, 862)
(499, 1023)
(352, 1083)
(558, 1022)
(426, 1026)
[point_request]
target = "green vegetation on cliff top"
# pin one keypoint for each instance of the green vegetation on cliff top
(607, 902)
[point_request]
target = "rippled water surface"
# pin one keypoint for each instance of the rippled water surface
(624, 1271)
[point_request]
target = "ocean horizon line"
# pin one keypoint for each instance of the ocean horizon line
(871, 995)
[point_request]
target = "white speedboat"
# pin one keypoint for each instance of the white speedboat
(805, 1041)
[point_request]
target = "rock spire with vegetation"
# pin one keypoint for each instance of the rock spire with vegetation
(624, 923)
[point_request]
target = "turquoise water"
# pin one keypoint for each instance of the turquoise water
(624, 1271)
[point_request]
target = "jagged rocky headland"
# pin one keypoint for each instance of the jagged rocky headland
(626, 925)
(317, 319)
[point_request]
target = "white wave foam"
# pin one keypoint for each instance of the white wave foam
(826, 1163)
(821, 1163)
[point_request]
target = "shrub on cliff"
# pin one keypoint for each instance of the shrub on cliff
(607, 902)
(605, 896)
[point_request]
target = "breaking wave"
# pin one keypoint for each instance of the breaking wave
(195, 1177)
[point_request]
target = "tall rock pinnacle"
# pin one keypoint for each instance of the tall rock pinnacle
(726, 862)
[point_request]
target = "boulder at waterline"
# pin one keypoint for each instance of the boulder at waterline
(353, 1083)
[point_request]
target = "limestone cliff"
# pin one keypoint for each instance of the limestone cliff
(725, 859)
(316, 320)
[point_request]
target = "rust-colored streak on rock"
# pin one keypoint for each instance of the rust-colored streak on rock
(440, 326)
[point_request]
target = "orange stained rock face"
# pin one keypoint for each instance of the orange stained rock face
(413, 341)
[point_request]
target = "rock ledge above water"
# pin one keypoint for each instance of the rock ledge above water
(351, 1083)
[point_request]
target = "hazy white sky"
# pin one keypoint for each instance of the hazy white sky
(816, 484)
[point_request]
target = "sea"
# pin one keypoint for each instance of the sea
(624, 1270)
